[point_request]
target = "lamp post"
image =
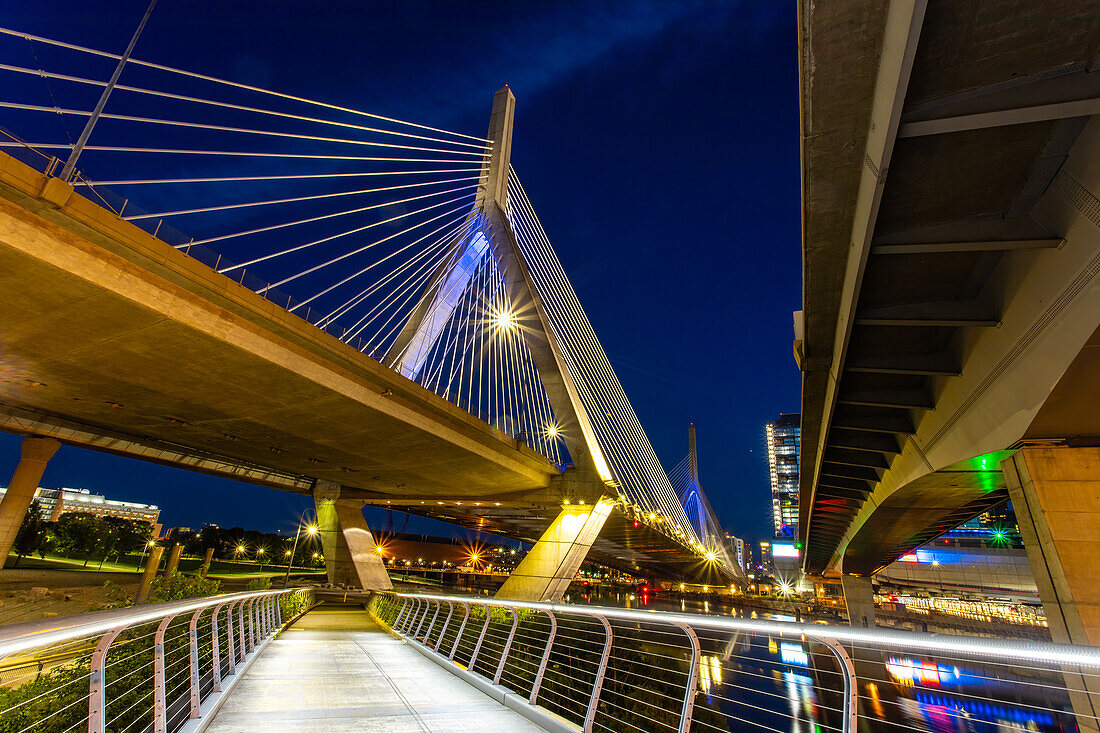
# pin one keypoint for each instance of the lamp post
(311, 530)
(145, 547)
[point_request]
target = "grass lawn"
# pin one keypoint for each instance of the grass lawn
(68, 563)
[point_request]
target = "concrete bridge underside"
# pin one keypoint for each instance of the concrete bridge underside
(116, 341)
(951, 262)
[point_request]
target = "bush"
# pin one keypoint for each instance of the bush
(177, 586)
(293, 604)
(259, 584)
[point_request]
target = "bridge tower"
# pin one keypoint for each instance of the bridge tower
(582, 495)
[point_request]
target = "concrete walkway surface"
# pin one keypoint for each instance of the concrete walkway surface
(337, 670)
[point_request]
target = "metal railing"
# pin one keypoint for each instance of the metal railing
(612, 669)
(159, 667)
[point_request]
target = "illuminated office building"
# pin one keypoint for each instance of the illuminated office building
(783, 437)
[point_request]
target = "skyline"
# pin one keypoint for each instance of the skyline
(593, 100)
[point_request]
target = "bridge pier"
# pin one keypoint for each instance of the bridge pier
(545, 574)
(1056, 495)
(349, 547)
(35, 454)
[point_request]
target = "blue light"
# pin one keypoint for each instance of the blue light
(793, 654)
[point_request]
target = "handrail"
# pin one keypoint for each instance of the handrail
(656, 670)
(173, 674)
(1008, 650)
(47, 632)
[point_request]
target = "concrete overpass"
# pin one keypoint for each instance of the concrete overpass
(951, 297)
(117, 341)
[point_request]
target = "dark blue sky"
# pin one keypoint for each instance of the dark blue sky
(657, 140)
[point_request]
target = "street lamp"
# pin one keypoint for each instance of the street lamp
(260, 557)
(311, 530)
(146, 546)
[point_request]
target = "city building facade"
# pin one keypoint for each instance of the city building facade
(57, 501)
(783, 439)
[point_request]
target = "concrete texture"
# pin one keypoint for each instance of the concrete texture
(351, 557)
(1056, 495)
(36, 453)
(545, 572)
(336, 670)
(939, 318)
(859, 597)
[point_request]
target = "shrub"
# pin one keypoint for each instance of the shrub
(177, 586)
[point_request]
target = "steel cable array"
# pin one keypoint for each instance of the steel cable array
(367, 226)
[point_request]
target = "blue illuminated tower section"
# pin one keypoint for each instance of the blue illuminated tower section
(784, 437)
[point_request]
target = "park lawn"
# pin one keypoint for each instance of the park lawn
(69, 563)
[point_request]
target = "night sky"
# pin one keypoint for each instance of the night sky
(657, 140)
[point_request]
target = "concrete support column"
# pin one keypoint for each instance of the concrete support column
(35, 454)
(173, 559)
(859, 597)
(206, 560)
(545, 574)
(350, 555)
(151, 565)
(1056, 495)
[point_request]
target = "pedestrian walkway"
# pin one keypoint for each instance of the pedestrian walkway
(337, 670)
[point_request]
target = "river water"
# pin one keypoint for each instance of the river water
(762, 683)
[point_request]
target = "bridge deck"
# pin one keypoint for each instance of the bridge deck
(337, 670)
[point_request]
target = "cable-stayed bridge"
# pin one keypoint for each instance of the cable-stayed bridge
(361, 308)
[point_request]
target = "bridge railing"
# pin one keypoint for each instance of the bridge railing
(589, 668)
(158, 667)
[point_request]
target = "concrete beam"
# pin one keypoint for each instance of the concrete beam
(35, 454)
(901, 34)
(932, 365)
(1008, 245)
(942, 313)
(1055, 94)
(548, 569)
(910, 400)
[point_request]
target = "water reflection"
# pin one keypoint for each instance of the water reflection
(761, 682)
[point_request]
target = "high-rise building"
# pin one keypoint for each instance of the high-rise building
(784, 437)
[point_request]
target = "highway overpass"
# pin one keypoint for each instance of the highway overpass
(951, 298)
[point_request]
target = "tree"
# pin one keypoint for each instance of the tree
(125, 536)
(81, 534)
(32, 533)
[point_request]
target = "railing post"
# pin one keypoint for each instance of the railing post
(160, 710)
(597, 686)
(413, 609)
(401, 614)
(480, 639)
(240, 630)
(97, 692)
(689, 686)
(193, 648)
(545, 658)
(851, 686)
(423, 618)
(507, 646)
(428, 631)
(251, 623)
(229, 638)
(461, 628)
(215, 651)
(446, 623)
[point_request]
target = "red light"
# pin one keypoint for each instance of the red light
(637, 523)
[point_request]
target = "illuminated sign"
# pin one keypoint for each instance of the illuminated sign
(794, 654)
(784, 550)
